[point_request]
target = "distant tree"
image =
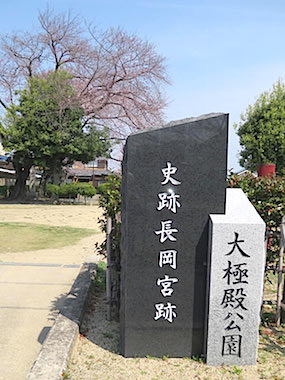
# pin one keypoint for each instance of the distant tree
(118, 76)
(45, 128)
(262, 130)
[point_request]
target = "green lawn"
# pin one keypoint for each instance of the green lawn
(17, 237)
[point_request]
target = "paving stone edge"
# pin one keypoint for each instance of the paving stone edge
(56, 350)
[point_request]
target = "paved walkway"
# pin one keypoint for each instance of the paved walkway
(33, 284)
(30, 297)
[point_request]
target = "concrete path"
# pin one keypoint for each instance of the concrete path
(33, 285)
(30, 297)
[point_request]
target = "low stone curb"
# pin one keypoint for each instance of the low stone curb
(53, 358)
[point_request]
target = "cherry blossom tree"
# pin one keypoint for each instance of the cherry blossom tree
(119, 77)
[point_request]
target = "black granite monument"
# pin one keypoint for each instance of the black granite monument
(173, 178)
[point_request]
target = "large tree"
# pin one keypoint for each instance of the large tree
(45, 128)
(262, 130)
(118, 76)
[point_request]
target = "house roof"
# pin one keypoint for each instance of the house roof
(6, 173)
(246, 171)
(88, 172)
(5, 164)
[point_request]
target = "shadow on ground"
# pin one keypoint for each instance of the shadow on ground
(57, 306)
(7, 201)
(95, 327)
(85, 305)
(273, 339)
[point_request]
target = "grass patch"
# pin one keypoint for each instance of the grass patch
(100, 279)
(19, 237)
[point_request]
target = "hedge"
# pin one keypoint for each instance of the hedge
(70, 190)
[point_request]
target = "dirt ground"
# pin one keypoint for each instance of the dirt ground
(96, 355)
(79, 216)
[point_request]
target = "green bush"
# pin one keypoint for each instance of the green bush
(267, 194)
(70, 190)
(52, 190)
(110, 196)
(4, 191)
(110, 202)
(87, 190)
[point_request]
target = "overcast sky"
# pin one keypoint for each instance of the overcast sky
(220, 54)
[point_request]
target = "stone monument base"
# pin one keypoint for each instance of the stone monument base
(236, 277)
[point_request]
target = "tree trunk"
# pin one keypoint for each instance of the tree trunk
(54, 173)
(56, 176)
(22, 174)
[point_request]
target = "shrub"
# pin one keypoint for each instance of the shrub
(70, 190)
(4, 191)
(52, 190)
(110, 196)
(267, 194)
(110, 202)
(87, 190)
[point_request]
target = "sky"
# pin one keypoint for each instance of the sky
(220, 55)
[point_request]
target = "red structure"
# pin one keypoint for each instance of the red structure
(266, 169)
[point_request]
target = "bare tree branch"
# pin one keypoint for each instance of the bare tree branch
(115, 159)
(3, 104)
(118, 76)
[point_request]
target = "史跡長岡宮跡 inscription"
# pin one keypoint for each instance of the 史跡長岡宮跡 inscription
(173, 178)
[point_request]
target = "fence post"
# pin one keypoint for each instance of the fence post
(279, 304)
(108, 277)
(265, 267)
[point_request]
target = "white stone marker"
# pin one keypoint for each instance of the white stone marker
(237, 259)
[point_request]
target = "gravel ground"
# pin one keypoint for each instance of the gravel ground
(96, 355)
